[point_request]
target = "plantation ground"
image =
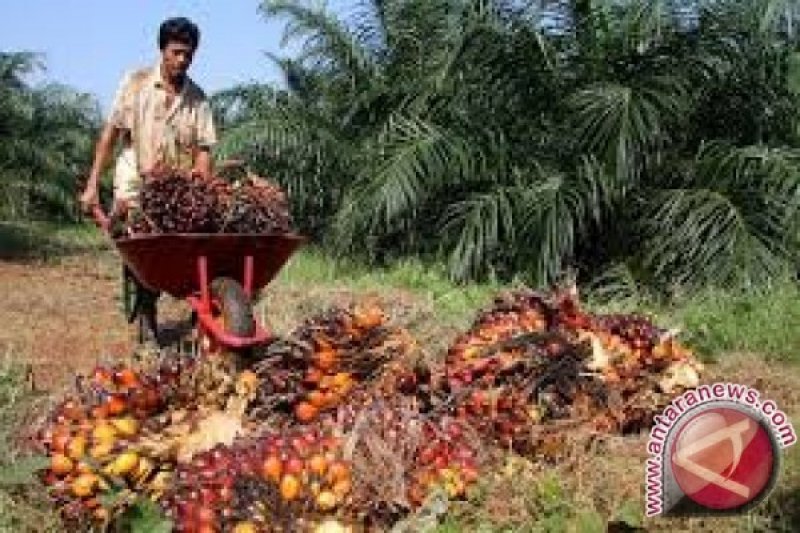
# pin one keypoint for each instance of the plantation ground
(61, 314)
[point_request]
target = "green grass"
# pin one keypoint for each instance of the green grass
(457, 302)
(46, 240)
(763, 321)
(22, 503)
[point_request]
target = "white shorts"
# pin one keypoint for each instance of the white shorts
(127, 181)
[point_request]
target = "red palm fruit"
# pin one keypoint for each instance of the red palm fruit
(313, 376)
(126, 378)
(116, 405)
(294, 466)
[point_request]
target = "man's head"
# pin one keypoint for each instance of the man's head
(178, 39)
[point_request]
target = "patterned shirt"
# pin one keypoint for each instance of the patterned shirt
(155, 133)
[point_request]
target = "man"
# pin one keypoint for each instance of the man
(163, 119)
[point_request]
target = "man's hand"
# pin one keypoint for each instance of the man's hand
(89, 199)
(202, 163)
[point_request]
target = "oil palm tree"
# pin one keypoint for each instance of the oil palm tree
(525, 138)
(45, 139)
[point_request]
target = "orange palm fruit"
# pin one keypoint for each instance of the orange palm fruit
(343, 380)
(76, 447)
(125, 426)
(104, 433)
(248, 379)
(60, 464)
(245, 527)
(338, 471)
(325, 359)
(272, 468)
(60, 438)
(316, 398)
(84, 485)
(342, 488)
(290, 487)
(318, 464)
(370, 317)
(305, 412)
(116, 405)
(331, 399)
(126, 378)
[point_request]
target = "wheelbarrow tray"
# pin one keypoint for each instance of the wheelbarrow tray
(169, 262)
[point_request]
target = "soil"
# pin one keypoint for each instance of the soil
(64, 316)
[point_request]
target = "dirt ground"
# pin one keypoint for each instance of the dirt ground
(64, 316)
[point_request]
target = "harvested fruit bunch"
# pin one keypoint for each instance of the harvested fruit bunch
(534, 358)
(91, 440)
(255, 206)
(510, 316)
(448, 459)
(271, 480)
(125, 429)
(326, 358)
(384, 437)
(523, 384)
(176, 202)
(357, 428)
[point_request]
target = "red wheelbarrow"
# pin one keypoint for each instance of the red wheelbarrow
(217, 274)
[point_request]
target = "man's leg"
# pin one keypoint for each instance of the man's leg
(142, 306)
(148, 314)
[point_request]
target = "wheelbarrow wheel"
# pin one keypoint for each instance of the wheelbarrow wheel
(236, 310)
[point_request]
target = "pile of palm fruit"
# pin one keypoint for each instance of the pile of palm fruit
(172, 201)
(342, 423)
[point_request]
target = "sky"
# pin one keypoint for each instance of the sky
(90, 44)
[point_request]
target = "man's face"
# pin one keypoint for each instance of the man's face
(176, 58)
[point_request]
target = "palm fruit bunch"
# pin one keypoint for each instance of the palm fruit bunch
(276, 481)
(255, 205)
(124, 429)
(533, 358)
(509, 316)
(448, 459)
(91, 440)
(325, 359)
(176, 203)
(522, 384)
(173, 201)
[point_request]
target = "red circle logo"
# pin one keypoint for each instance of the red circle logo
(723, 458)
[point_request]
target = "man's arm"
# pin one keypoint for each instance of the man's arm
(119, 119)
(206, 139)
(102, 154)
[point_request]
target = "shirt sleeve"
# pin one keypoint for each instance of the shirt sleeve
(206, 132)
(121, 115)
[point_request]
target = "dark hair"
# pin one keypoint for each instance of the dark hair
(178, 29)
